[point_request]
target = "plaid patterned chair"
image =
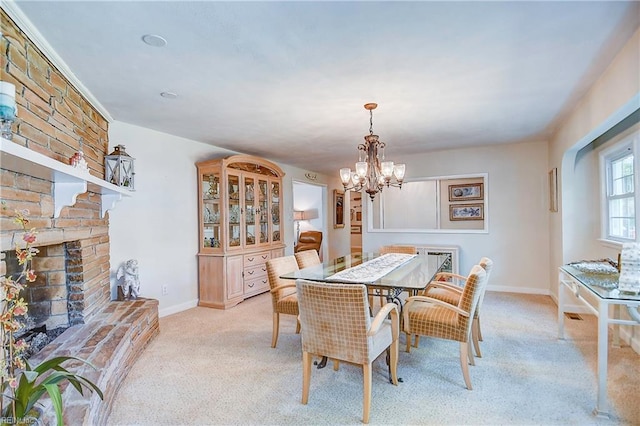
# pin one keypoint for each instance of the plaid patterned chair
(335, 323)
(307, 258)
(431, 317)
(445, 289)
(283, 292)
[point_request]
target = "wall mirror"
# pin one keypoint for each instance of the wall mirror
(456, 203)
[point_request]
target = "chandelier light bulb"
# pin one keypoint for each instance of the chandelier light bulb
(345, 175)
(387, 169)
(361, 168)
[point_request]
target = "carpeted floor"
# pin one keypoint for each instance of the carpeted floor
(212, 367)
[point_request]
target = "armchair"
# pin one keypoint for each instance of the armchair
(431, 317)
(309, 240)
(449, 292)
(283, 292)
(335, 323)
(307, 258)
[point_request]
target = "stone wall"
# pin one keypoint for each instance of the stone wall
(55, 120)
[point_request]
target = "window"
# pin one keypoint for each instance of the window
(620, 167)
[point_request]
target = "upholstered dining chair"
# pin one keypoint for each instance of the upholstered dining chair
(335, 323)
(283, 292)
(307, 258)
(426, 316)
(404, 249)
(448, 287)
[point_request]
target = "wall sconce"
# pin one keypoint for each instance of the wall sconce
(119, 168)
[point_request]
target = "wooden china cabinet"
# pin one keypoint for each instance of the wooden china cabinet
(240, 211)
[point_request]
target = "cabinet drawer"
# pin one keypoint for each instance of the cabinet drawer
(256, 285)
(256, 258)
(253, 272)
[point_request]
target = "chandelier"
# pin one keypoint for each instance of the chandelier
(372, 173)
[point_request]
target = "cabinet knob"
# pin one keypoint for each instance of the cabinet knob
(250, 259)
(250, 272)
(264, 256)
(251, 285)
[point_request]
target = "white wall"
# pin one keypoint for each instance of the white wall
(158, 225)
(308, 196)
(517, 211)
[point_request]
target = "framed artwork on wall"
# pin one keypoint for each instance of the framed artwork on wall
(466, 191)
(466, 211)
(338, 209)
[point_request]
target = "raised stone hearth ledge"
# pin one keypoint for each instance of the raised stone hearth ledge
(112, 341)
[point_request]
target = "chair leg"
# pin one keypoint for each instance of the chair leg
(479, 332)
(336, 365)
(276, 327)
(409, 336)
(298, 326)
(366, 403)
(464, 363)
(417, 341)
(306, 376)
(393, 362)
(472, 361)
(475, 331)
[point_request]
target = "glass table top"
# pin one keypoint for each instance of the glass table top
(415, 274)
(599, 276)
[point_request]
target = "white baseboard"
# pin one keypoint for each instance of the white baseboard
(525, 290)
(174, 309)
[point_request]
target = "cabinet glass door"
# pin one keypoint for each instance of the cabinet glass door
(233, 199)
(263, 210)
(211, 231)
(275, 211)
(250, 211)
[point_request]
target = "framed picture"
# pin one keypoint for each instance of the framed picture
(338, 209)
(356, 229)
(466, 211)
(466, 191)
(553, 190)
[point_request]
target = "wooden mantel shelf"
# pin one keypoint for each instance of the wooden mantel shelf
(68, 182)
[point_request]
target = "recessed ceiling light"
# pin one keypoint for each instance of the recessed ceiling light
(154, 40)
(168, 95)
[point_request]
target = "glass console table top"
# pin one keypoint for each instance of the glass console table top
(599, 276)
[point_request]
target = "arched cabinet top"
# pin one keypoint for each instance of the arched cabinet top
(248, 163)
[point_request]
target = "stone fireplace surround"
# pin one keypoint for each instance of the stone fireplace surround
(56, 120)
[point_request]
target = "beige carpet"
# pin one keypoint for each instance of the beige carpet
(212, 367)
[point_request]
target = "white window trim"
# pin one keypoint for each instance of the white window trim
(629, 142)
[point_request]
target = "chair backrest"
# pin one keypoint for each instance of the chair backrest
(334, 320)
(473, 290)
(279, 266)
(487, 265)
(398, 249)
(309, 240)
(307, 258)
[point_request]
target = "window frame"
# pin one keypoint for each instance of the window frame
(628, 145)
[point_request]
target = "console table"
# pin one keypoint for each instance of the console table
(595, 283)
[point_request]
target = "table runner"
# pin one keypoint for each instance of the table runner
(372, 270)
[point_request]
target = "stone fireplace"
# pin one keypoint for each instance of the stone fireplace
(68, 210)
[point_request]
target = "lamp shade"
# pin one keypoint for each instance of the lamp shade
(310, 214)
(298, 215)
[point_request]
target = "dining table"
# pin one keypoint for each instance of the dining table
(390, 273)
(393, 273)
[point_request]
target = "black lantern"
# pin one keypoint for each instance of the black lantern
(119, 168)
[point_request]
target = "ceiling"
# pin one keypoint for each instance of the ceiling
(288, 80)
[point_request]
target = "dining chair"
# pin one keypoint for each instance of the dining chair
(307, 258)
(335, 323)
(426, 316)
(447, 287)
(403, 249)
(283, 292)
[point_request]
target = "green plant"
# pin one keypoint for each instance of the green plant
(22, 385)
